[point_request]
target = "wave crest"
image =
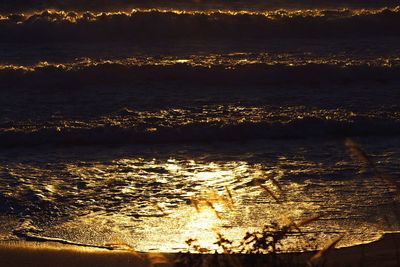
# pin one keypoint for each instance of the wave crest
(114, 135)
(152, 25)
(102, 5)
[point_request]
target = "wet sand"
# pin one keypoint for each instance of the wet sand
(383, 253)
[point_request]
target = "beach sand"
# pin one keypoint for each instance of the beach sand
(385, 252)
(382, 253)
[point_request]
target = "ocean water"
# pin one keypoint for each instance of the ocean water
(112, 124)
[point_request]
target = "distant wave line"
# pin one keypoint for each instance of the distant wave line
(113, 5)
(212, 60)
(74, 16)
(55, 15)
(297, 129)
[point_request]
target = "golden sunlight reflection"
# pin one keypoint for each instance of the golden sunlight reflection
(202, 226)
(159, 203)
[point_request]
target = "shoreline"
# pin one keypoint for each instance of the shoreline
(384, 252)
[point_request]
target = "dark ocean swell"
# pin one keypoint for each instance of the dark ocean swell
(107, 74)
(154, 25)
(201, 132)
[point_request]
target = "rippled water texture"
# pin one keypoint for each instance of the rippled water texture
(136, 193)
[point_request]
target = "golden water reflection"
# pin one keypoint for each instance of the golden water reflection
(159, 203)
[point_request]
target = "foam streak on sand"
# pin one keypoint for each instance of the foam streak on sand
(383, 252)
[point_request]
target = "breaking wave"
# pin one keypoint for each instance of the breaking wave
(153, 25)
(201, 132)
(29, 5)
